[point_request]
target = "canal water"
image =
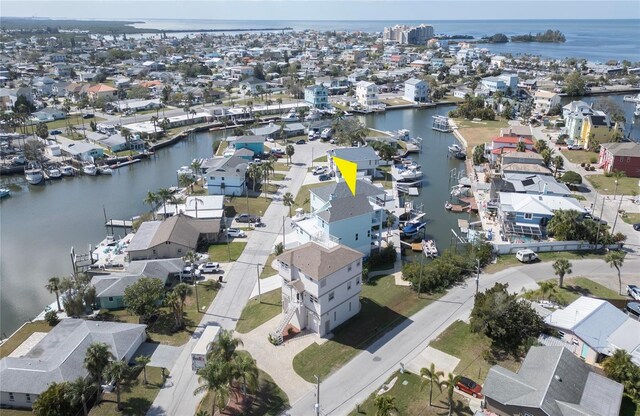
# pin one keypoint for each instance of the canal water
(39, 225)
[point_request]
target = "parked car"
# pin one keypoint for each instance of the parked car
(246, 218)
(526, 256)
(469, 386)
(324, 177)
(319, 170)
(588, 216)
(88, 115)
(209, 267)
(636, 226)
(187, 273)
(574, 147)
(301, 141)
(633, 308)
(326, 134)
(55, 131)
(235, 233)
(633, 291)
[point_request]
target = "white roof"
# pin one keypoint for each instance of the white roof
(209, 335)
(573, 314)
(627, 337)
(538, 204)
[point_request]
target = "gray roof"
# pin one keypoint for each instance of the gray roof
(317, 261)
(59, 356)
(341, 190)
(528, 183)
(250, 139)
(229, 166)
(142, 239)
(244, 152)
(628, 149)
(114, 284)
(557, 382)
(355, 154)
(178, 229)
(343, 208)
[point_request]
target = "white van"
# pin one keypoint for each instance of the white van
(526, 256)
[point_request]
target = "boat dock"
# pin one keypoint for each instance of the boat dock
(119, 224)
(441, 123)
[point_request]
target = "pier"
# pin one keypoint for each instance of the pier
(119, 224)
(441, 123)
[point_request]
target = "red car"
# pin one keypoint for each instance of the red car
(470, 387)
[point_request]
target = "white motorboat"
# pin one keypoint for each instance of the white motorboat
(90, 169)
(454, 148)
(429, 248)
(4, 192)
(18, 160)
(313, 115)
(637, 112)
(54, 173)
(105, 170)
(632, 98)
(412, 172)
(67, 170)
(34, 175)
(186, 171)
(291, 116)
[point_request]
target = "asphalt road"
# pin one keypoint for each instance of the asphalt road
(363, 375)
(177, 398)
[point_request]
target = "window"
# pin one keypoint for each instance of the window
(349, 306)
(154, 251)
(349, 268)
(212, 177)
(349, 286)
(222, 178)
(358, 263)
(110, 298)
(528, 216)
(313, 299)
(356, 236)
(357, 280)
(11, 398)
(335, 316)
(323, 283)
(179, 250)
(332, 295)
(369, 233)
(28, 397)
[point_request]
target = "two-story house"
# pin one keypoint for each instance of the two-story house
(623, 157)
(317, 96)
(320, 287)
(545, 100)
(367, 93)
(527, 184)
(503, 144)
(598, 127)
(416, 90)
(225, 176)
(253, 143)
(574, 115)
(365, 157)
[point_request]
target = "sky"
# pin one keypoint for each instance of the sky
(323, 9)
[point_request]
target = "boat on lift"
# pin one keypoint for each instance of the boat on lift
(4, 192)
(413, 227)
(90, 169)
(33, 174)
(105, 170)
(67, 170)
(454, 148)
(411, 173)
(53, 172)
(429, 248)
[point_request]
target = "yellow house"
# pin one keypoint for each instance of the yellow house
(597, 127)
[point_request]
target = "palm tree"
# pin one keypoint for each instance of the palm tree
(176, 300)
(95, 361)
(164, 195)
(78, 391)
(558, 163)
(143, 361)
(289, 150)
(245, 371)
(450, 385)
(118, 371)
(547, 288)
(561, 267)
(225, 346)
(54, 287)
(214, 378)
(433, 376)
(195, 166)
(186, 181)
(384, 405)
(618, 366)
(154, 121)
(616, 259)
(288, 200)
(196, 200)
(152, 200)
(255, 173)
(389, 221)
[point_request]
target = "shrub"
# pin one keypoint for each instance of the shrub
(278, 249)
(52, 318)
(386, 256)
(582, 164)
(593, 159)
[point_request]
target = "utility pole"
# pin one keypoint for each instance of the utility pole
(317, 406)
(284, 244)
(616, 215)
(477, 277)
(258, 273)
(228, 246)
(421, 268)
(598, 229)
(195, 283)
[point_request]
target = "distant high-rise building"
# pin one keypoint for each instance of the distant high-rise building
(413, 35)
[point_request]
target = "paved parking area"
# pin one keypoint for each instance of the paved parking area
(443, 361)
(161, 355)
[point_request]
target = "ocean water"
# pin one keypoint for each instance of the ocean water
(594, 40)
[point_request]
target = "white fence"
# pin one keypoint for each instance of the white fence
(548, 246)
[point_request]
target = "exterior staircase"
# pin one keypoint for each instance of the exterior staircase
(276, 336)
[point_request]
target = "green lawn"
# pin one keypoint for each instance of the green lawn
(242, 205)
(281, 166)
(470, 348)
(21, 336)
(277, 177)
(321, 159)
(480, 132)
(606, 185)
(269, 400)
(267, 270)
(631, 218)
(302, 198)
(161, 329)
(73, 120)
(412, 398)
(384, 305)
(579, 197)
(256, 313)
(509, 260)
(135, 396)
(573, 288)
(387, 180)
(579, 156)
(220, 252)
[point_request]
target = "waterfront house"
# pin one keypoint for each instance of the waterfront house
(367, 93)
(525, 168)
(110, 287)
(594, 329)
(85, 152)
(522, 132)
(531, 158)
(59, 357)
(337, 216)
(225, 176)
(365, 157)
(527, 184)
(505, 83)
(252, 85)
(622, 157)
(499, 145)
(254, 143)
(172, 237)
(320, 286)
(49, 114)
(114, 142)
(551, 382)
(574, 114)
(416, 90)
(523, 214)
(545, 101)
(273, 130)
(599, 128)
(102, 91)
(317, 96)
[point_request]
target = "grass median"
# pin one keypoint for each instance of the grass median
(226, 252)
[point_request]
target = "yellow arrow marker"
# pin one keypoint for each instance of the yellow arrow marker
(349, 172)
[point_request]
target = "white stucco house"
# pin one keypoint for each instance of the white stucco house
(365, 157)
(320, 287)
(367, 93)
(416, 90)
(545, 100)
(225, 176)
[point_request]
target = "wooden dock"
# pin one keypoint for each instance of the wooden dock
(119, 223)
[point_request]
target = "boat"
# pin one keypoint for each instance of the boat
(637, 112)
(4, 192)
(90, 169)
(460, 155)
(313, 115)
(67, 170)
(429, 248)
(454, 148)
(412, 172)
(413, 227)
(53, 172)
(631, 98)
(448, 205)
(34, 175)
(291, 116)
(105, 170)
(186, 171)
(18, 160)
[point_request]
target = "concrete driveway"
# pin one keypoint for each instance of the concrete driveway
(161, 355)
